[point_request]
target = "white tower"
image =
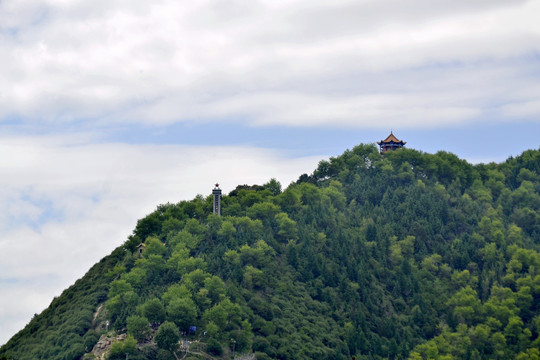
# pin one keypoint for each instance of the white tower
(217, 199)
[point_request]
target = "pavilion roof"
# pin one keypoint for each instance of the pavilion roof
(391, 138)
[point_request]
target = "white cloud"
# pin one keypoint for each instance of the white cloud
(65, 204)
(524, 109)
(167, 61)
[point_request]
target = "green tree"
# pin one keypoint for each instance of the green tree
(225, 315)
(155, 268)
(216, 289)
(465, 304)
(136, 278)
(119, 287)
(154, 246)
(513, 329)
(253, 278)
(121, 350)
(274, 186)
(138, 327)
(287, 227)
(167, 336)
(175, 291)
(264, 211)
(183, 312)
(227, 229)
(154, 310)
(120, 306)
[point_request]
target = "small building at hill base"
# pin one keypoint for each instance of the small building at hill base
(391, 143)
(140, 249)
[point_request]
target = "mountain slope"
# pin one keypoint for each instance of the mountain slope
(414, 255)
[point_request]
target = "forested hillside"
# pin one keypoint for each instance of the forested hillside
(414, 255)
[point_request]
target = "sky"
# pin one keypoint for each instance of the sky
(111, 107)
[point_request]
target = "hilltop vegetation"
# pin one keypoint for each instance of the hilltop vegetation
(420, 256)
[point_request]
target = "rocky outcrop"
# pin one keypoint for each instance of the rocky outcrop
(103, 346)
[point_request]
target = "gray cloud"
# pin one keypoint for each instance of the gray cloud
(165, 61)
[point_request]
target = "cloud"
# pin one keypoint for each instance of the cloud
(164, 62)
(68, 202)
(525, 109)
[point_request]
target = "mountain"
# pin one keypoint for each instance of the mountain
(414, 255)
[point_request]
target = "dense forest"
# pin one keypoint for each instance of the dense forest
(410, 256)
